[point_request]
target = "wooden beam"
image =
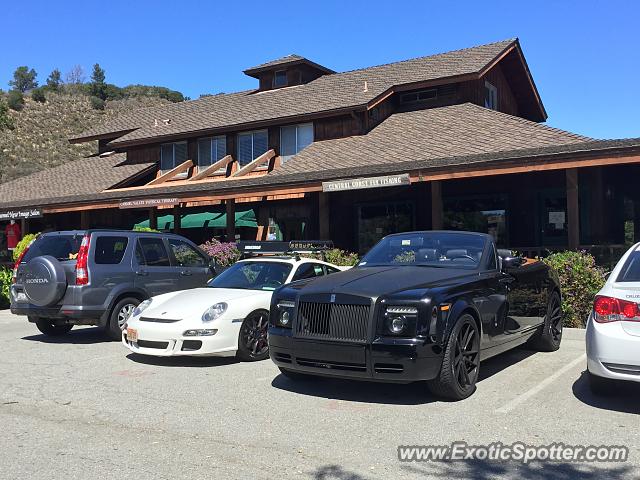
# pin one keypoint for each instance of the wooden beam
(573, 212)
(214, 167)
(263, 221)
(251, 166)
(436, 205)
(177, 219)
(231, 220)
(183, 167)
(324, 230)
(153, 218)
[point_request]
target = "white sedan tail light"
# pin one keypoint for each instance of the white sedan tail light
(610, 309)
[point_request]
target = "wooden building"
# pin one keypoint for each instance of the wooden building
(454, 141)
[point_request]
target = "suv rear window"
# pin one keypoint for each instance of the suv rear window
(631, 270)
(62, 247)
(110, 250)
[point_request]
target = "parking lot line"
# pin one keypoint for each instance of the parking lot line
(507, 407)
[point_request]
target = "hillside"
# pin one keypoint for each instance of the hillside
(39, 137)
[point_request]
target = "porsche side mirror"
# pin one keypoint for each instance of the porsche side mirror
(511, 262)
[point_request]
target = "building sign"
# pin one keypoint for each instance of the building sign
(366, 182)
(20, 214)
(149, 202)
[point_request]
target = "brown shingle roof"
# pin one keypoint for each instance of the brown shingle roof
(326, 93)
(281, 62)
(86, 176)
(422, 135)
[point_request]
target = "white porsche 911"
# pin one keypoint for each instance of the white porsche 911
(613, 328)
(228, 317)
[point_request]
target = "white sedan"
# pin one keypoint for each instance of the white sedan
(228, 317)
(613, 328)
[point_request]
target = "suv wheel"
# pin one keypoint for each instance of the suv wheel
(119, 314)
(47, 327)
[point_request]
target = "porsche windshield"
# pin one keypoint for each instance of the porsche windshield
(437, 249)
(253, 276)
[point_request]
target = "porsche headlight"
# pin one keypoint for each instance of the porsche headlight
(141, 308)
(284, 314)
(400, 321)
(214, 311)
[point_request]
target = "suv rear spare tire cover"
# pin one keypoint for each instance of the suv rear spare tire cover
(44, 281)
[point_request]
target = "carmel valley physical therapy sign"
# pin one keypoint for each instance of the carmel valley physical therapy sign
(149, 202)
(366, 182)
(20, 214)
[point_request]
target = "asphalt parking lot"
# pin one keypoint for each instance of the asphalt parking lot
(81, 407)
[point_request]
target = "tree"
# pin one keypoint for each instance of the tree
(96, 103)
(98, 87)
(15, 100)
(6, 122)
(54, 80)
(75, 75)
(24, 79)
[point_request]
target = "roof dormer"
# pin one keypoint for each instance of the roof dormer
(286, 72)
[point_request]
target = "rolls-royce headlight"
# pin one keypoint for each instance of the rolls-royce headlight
(141, 308)
(400, 321)
(284, 314)
(214, 312)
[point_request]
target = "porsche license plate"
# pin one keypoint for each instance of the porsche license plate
(132, 334)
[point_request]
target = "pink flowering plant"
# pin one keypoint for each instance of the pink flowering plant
(225, 254)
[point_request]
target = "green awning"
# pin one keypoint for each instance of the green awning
(245, 218)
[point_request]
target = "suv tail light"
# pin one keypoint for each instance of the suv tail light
(14, 276)
(82, 271)
(609, 309)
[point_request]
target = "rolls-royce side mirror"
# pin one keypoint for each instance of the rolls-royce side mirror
(511, 262)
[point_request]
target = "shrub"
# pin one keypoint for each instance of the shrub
(342, 258)
(225, 254)
(37, 95)
(15, 100)
(145, 229)
(5, 283)
(580, 280)
(96, 103)
(23, 244)
(6, 122)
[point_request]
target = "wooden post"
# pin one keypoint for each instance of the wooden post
(24, 227)
(573, 213)
(436, 205)
(153, 218)
(263, 221)
(324, 230)
(176, 219)
(84, 220)
(231, 220)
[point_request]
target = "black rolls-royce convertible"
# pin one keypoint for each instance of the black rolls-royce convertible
(420, 306)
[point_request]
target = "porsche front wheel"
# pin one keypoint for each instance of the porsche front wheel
(252, 342)
(460, 363)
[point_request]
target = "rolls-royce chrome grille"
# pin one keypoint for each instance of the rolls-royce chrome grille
(332, 321)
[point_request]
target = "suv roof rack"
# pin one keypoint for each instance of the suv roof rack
(294, 247)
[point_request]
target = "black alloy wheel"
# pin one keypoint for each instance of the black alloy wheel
(461, 362)
(252, 343)
(549, 336)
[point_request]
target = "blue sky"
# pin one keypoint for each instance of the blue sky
(584, 55)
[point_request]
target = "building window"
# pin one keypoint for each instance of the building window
(172, 155)
(210, 150)
(280, 78)
(294, 138)
(420, 96)
(478, 213)
(490, 96)
(251, 145)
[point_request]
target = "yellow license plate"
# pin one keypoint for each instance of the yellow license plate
(132, 334)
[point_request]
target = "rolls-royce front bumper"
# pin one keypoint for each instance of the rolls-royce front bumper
(391, 360)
